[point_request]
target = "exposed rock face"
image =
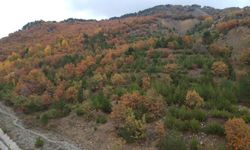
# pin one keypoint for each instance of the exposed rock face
(32, 24)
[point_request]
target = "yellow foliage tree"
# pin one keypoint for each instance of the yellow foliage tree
(48, 50)
(135, 128)
(65, 43)
(118, 79)
(71, 94)
(220, 68)
(208, 19)
(13, 56)
(171, 68)
(98, 80)
(245, 56)
(193, 99)
(219, 50)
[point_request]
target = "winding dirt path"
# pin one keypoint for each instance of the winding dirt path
(57, 144)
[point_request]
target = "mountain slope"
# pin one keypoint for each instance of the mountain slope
(129, 82)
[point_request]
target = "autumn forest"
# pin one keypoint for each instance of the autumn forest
(167, 78)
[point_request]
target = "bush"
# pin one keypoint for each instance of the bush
(102, 103)
(199, 114)
(54, 113)
(184, 113)
(39, 143)
(174, 123)
(220, 114)
(173, 94)
(133, 87)
(182, 125)
(205, 88)
(194, 125)
(68, 59)
(207, 38)
(5, 92)
(237, 134)
(44, 119)
(33, 105)
(246, 118)
(133, 129)
(146, 82)
(244, 88)
(222, 104)
(238, 112)
(119, 91)
(79, 111)
(195, 61)
(101, 119)
(172, 141)
(193, 99)
(194, 145)
(227, 91)
(60, 109)
(214, 128)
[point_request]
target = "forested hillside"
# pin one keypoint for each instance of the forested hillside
(169, 77)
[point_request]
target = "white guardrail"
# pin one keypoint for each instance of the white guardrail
(6, 143)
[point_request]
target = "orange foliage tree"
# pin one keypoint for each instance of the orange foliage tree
(237, 134)
(149, 43)
(146, 82)
(59, 91)
(107, 58)
(84, 64)
(151, 105)
(69, 70)
(47, 98)
(227, 25)
(34, 83)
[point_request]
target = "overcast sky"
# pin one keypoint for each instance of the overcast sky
(16, 13)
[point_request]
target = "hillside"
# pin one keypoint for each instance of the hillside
(166, 77)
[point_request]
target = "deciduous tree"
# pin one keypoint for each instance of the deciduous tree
(245, 56)
(237, 134)
(220, 68)
(193, 99)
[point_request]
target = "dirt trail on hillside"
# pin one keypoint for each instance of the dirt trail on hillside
(25, 138)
